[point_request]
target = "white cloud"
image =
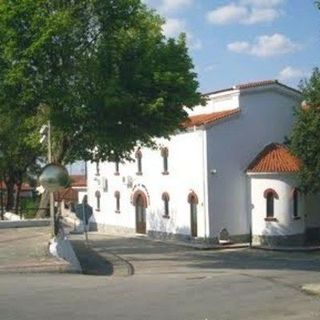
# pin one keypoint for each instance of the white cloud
(261, 15)
(263, 3)
(172, 5)
(193, 43)
(246, 12)
(173, 27)
(227, 14)
(289, 73)
(265, 46)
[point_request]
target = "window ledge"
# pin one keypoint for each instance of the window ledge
(117, 211)
(165, 217)
(139, 173)
(98, 210)
(165, 173)
(271, 219)
(296, 218)
(117, 173)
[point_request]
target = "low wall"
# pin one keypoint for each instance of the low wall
(24, 223)
(61, 247)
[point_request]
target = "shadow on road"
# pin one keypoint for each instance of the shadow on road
(91, 262)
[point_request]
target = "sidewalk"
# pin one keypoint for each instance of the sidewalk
(25, 250)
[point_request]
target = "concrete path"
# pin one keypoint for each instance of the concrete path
(26, 250)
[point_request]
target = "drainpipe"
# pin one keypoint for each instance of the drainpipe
(205, 180)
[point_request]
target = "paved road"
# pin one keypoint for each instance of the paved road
(171, 282)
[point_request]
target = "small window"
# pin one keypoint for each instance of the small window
(105, 185)
(164, 155)
(116, 168)
(98, 196)
(295, 199)
(165, 198)
(270, 195)
(138, 156)
(117, 196)
(97, 169)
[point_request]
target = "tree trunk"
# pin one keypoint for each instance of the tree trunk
(10, 194)
(43, 210)
(19, 185)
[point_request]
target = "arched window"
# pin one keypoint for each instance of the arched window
(193, 201)
(97, 169)
(138, 156)
(270, 195)
(117, 196)
(164, 155)
(165, 198)
(116, 168)
(295, 199)
(98, 196)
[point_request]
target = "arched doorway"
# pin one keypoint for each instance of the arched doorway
(140, 204)
(193, 201)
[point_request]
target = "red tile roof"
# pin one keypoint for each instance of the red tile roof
(254, 84)
(68, 194)
(208, 118)
(78, 181)
(275, 158)
(25, 186)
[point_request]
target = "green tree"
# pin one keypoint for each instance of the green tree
(305, 138)
(102, 68)
(20, 150)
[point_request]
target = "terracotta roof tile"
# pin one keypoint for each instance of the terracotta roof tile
(78, 181)
(207, 118)
(255, 84)
(275, 158)
(68, 194)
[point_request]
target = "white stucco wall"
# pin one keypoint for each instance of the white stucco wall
(218, 102)
(186, 169)
(284, 186)
(265, 117)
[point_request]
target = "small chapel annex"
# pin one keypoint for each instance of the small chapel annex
(227, 177)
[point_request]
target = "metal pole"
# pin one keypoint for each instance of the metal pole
(84, 223)
(51, 199)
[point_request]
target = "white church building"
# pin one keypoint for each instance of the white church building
(227, 177)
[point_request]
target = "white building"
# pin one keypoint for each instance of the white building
(204, 182)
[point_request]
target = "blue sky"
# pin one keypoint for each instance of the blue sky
(238, 41)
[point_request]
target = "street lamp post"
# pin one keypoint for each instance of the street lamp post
(54, 177)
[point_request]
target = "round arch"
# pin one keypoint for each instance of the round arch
(193, 198)
(141, 194)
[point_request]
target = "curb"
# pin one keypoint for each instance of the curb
(51, 267)
(287, 249)
(121, 267)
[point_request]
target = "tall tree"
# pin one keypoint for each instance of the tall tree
(20, 149)
(305, 139)
(102, 68)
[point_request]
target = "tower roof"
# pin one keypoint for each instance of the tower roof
(275, 157)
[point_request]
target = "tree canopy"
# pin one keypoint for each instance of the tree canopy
(305, 138)
(103, 70)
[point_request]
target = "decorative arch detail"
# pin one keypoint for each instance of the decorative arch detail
(193, 198)
(266, 192)
(138, 154)
(165, 196)
(164, 152)
(143, 196)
